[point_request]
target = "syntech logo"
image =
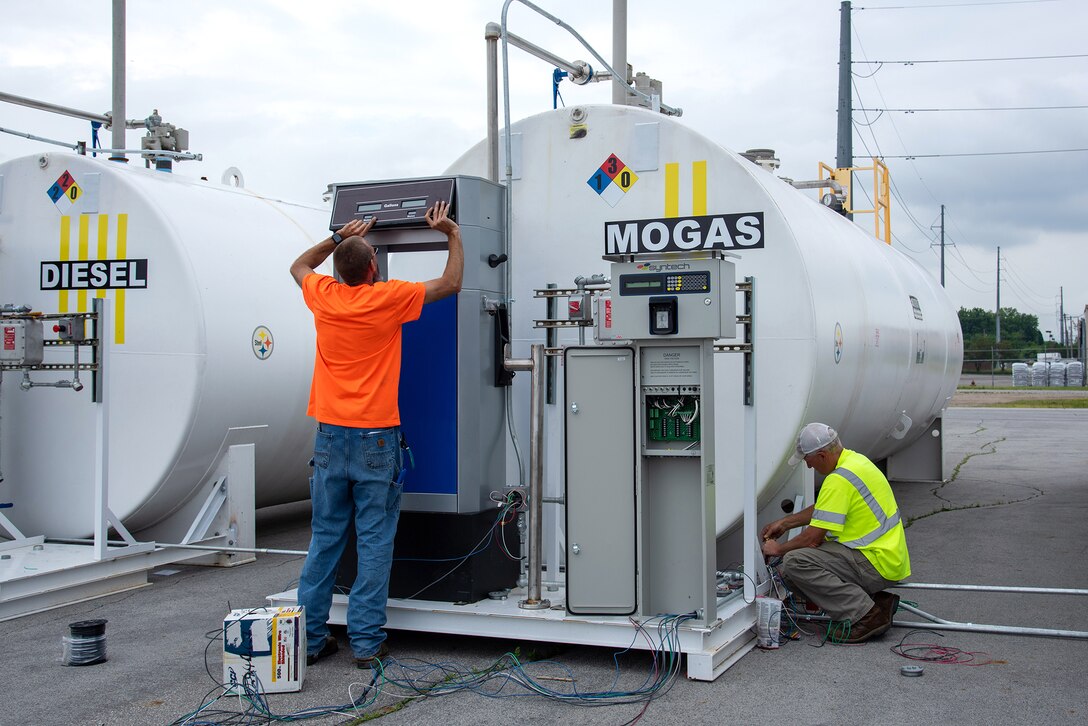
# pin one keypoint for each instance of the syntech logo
(652, 267)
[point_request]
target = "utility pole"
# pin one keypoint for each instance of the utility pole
(942, 260)
(844, 156)
(1061, 311)
(998, 316)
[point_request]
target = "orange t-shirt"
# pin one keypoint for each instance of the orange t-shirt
(357, 367)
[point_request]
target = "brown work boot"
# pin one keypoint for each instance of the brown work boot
(371, 661)
(874, 623)
(888, 602)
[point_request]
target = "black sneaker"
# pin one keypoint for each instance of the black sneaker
(371, 660)
(327, 648)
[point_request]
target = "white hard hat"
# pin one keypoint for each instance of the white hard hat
(812, 438)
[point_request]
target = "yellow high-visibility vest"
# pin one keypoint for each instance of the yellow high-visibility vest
(857, 508)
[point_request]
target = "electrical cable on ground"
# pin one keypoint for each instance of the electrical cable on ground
(935, 653)
(411, 679)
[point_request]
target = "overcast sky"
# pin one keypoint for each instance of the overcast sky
(300, 94)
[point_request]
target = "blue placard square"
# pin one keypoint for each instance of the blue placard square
(55, 192)
(599, 181)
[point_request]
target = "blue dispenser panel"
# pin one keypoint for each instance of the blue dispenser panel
(428, 398)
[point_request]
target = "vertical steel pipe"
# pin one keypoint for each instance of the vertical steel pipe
(117, 124)
(492, 33)
(619, 52)
(535, 365)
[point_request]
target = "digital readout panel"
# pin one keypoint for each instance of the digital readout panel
(391, 204)
(657, 283)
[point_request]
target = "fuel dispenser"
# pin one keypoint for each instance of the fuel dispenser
(639, 440)
(453, 385)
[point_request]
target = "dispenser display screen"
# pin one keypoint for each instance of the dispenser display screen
(652, 283)
(390, 204)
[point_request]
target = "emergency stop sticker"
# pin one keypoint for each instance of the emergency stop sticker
(64, 187)
(612, 180)
(262, 342)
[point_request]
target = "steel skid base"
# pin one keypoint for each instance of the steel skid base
(710, 650)
(43, 576)
(37, 574)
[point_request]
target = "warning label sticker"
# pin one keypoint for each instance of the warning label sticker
(612, 180)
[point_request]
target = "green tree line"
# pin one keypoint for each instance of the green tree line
(1020, 338)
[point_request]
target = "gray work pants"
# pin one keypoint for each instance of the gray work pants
(834, 577)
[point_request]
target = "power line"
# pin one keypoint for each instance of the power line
(895, 128)
(957, 255)
(951, 272)
(894, 185)
(957, 5)
(895, 191)
(1011, 287)
(969, 60)
(1017, 278)
(993, 108)
(985, 153)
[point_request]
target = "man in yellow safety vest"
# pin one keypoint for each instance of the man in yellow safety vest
(853, 546)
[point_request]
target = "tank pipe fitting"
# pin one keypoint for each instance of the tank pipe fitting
(668, 110)
(44, 140)
(179, 155)
(26, 384)
(12, 308)
(535, 365)
(582, 281)
(76, 385)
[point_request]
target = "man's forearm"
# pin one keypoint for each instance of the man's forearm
(798, 519)
(455, 260)
(310, 259)
(317, 254)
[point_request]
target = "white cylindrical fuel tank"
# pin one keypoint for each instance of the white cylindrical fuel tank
(212, 343)
(848, 330)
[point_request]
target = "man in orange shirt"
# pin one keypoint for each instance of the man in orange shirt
(358, 466)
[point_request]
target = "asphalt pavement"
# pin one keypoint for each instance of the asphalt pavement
(1013, 515)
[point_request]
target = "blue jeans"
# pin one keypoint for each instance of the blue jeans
(355, 478)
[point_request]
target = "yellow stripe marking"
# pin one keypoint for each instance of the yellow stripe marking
(672, 190)
(698, 188)
(103, 240)
(119, 295)
(84, 236)
(65, 245)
